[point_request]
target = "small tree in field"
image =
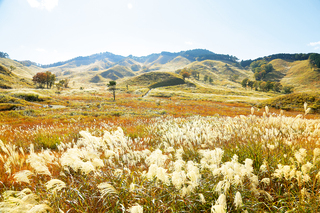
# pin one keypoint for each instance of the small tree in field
(64, 82)
(244, 82)
(195, 74)
(185, 74)
(250, 84)
(112, 88)
(51, 78)
(42, 78)
(12, 68)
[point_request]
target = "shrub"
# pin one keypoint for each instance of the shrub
(28, 112)
(45, 141)
(9, 106)
(29, 97)
(5, 86)
(295, 101)
(287, 89)
(117, 113)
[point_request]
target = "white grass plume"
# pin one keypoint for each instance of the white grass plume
(23, 176)
(106, 189)
(55, 185)
(136, 209)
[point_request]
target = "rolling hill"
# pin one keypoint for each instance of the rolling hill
(9, 80)
(21, 69)
(155, 79)
(164, 61)
(219, 70)
(117, 72)
(299, 74)
(289, 69)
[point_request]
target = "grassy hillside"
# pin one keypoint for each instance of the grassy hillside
(20, 69)
(296, 73)
(9, 80)
(299, 74)
(178, 62)
(302, 75)
(87, 60)
(117, 72)
(127, 62)
(219, 71)
(97, 79)
(71, 70)
(163, 59)
(151, 78)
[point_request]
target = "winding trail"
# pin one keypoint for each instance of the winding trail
(145, 95)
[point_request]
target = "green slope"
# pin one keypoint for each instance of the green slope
(117, 72)
(299, 74)
(219, 71)
(9, 80)
(155, 79)
(20, 69)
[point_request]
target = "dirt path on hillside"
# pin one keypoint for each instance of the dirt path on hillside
(145, 95)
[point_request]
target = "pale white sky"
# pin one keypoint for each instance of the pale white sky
(48, 31)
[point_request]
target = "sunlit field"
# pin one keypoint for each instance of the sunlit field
(150, 154)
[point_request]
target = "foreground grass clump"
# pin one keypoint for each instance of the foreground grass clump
(192, 164)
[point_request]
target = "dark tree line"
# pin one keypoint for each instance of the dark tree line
(202, 54)
(4, 55)
(266, 86)
(284, 56)
(314, 59)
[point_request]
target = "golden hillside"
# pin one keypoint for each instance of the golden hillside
(9, 80)
(20, 69)
(299, 74)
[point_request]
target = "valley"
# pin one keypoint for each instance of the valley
(169, 142)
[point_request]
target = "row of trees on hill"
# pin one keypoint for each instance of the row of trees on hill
(284, 56)
(4, 55)
(260, 69)
(266, 86)
(186, 73)
(314, 59)
(202, 54)
(42, 79)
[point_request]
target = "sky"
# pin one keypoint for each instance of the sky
(48, 31)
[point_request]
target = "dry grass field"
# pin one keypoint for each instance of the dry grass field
(166, 144)
(187, 152)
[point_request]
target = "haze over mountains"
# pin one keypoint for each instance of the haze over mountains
(291, 69)
(110, 66)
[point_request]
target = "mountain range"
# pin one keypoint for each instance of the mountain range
(292, 69)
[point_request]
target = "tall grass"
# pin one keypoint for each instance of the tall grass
(170, 164)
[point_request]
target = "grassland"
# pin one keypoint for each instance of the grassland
(165, 145)
(9, 80)
(185, 153)
(299, 74)
(20, 70)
